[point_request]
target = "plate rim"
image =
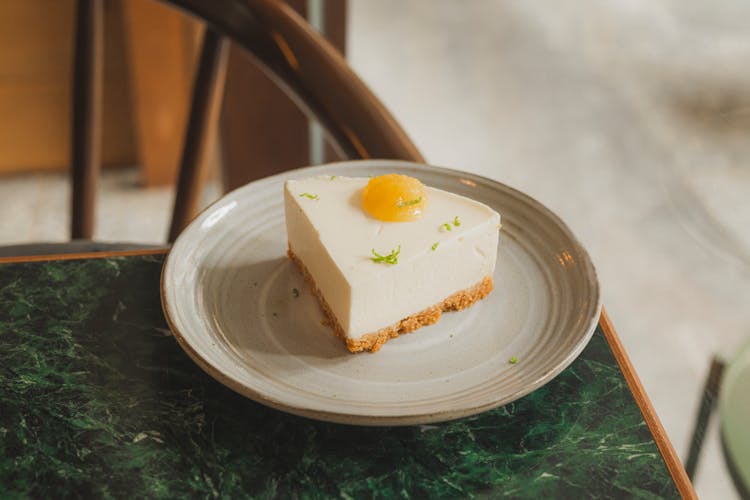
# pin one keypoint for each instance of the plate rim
(386, 420)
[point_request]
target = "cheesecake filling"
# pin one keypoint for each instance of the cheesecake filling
(372, 275)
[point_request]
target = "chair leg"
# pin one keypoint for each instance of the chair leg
(208, 91)
(708, 403)
(87, 106)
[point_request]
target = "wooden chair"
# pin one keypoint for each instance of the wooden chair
(282, 43)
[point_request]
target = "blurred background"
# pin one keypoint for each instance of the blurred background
(629, 118)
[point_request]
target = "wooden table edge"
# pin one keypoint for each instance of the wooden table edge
(671, 459)
(84, 255)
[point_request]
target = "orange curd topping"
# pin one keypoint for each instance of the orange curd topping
(394, 198)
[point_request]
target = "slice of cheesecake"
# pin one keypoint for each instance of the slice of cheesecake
(376, 279)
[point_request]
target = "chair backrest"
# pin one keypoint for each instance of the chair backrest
(300, 60)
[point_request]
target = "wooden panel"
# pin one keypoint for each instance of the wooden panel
(161, 52)
(36, 44)
(263, 132)
(37, 38)
(118, 126)
(34, 132)
(335, 30)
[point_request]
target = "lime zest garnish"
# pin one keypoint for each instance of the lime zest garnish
(409, 202)
(447, 226)
(310, 196)
(513, 360)
(391, 258)
(435, 245)
(333, 177)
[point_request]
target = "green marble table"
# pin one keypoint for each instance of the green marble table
(97, 399)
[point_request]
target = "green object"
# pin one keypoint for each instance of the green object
(309, 196)
(513, 360)
(734, 410)
(391, 258)
(434, 246)
(409, 203)
(97, 399)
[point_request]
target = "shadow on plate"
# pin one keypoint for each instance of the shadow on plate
(266, 308)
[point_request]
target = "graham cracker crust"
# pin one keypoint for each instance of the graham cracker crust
(373, 341)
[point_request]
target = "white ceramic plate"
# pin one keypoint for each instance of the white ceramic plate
(228, 295)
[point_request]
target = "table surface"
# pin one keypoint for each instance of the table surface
(98, 399)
